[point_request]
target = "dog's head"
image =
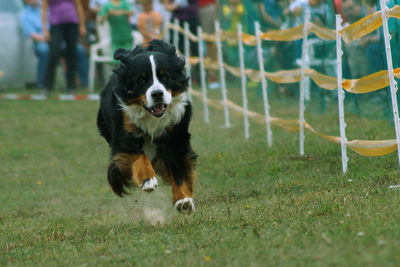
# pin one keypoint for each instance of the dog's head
(150, 77)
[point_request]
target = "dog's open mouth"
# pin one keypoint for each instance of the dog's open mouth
(158, 110)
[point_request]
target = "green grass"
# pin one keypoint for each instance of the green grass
(256, 206)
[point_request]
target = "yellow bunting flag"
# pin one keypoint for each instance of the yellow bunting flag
(322, 80)
(366, 84)
(368, 148)
(291, 34)
(350, 33)
(394, 12)
(323, 33)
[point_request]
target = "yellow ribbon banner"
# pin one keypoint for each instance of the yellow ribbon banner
(367, 24)
(368, 148)
(323, 33)
(366, 84)
(350, 33)
(291, 34)
(178, 28)
(362, 27)
(322, 80)
(369, 83)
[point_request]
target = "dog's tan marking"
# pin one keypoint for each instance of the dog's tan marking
(185, 190)
(140, 100)
(136, 166)
(141, 169)
(128, 125)
(124, 163)
(174, 93)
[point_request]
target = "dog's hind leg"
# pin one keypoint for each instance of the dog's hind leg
(119, 173)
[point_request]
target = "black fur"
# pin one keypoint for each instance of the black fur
(130, 81)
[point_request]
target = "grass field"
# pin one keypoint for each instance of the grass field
(256, 206)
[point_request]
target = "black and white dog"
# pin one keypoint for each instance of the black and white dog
(144, 115)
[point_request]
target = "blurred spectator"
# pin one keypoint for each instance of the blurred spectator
(356, 51)
(136, 8)
(185, 11)
(296, 11)
(337, 6)
(158, 5)
(149, 22)
(32, 27)
(271, 13)
(321, 13)
(208, 15)
(284, 19)
(117, 12)
(394, 29)
(286, 49)
(373, 47)
(96, 5)
(66, 24)
(233, 13)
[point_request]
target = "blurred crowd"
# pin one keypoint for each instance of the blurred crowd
(63, 30)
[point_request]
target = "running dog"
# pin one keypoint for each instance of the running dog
(144, 116)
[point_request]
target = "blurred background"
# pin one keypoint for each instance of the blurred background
(40, 58)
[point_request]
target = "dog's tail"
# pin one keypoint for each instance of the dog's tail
(120, 175)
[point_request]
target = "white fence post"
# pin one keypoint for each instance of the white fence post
(264, 84)
(222, 74)
(92, 69)
(243, 83)
(393, 83)
(203, 79)
(341, 94)
(303, 82)
(176, 34)
(187, 56)
(165, 29)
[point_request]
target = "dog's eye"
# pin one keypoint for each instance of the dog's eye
(163, 75)
(143, 77)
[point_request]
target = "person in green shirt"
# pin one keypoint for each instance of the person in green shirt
(117, 12)
(394, 30)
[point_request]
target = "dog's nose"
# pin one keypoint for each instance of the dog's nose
(157, 94)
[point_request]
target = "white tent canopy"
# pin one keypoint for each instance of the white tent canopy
(17, 60)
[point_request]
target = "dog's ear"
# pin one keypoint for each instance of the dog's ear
(121, 55)
(136, 51)
(162, 47)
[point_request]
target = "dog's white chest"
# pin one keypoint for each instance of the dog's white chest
(149, 149)
(155, 127)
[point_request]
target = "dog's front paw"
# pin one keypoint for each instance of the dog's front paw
(185, 206)
(150, 184)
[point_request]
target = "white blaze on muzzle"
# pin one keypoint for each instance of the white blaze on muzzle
(156, 86)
